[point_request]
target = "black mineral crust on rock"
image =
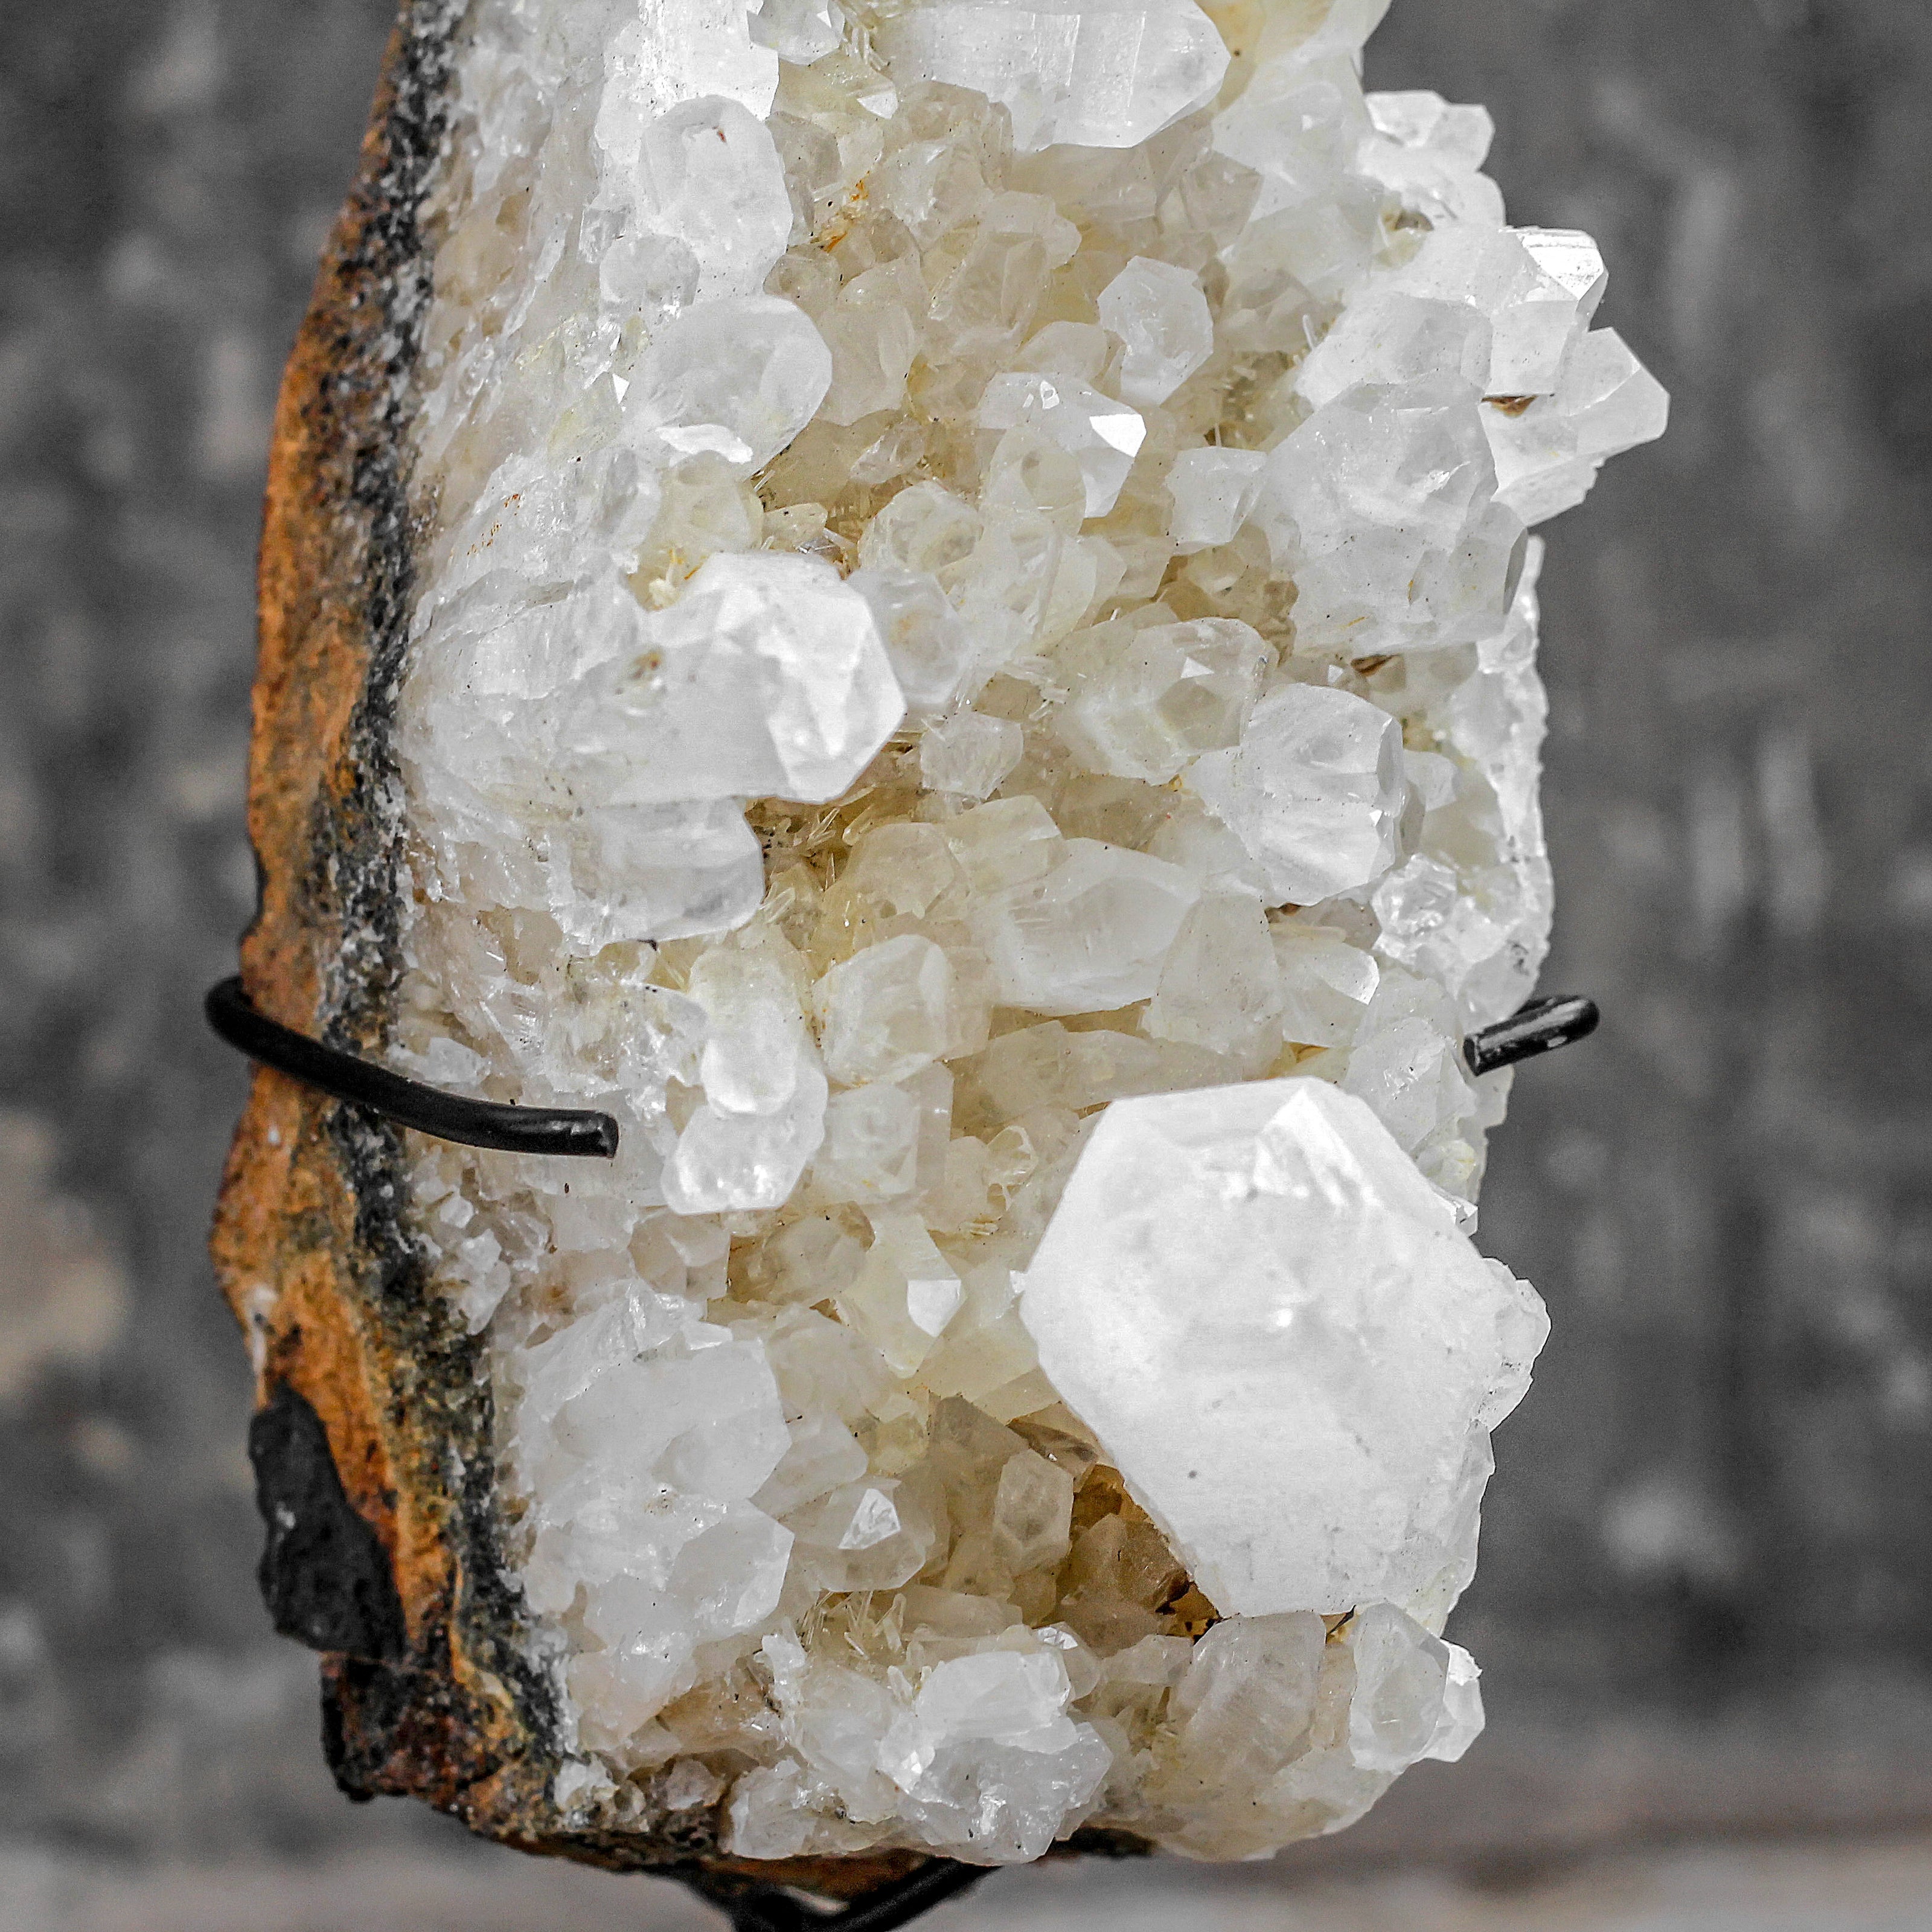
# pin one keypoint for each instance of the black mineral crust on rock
(370, 392)
(324, 1574)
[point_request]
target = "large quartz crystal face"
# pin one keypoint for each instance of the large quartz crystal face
(972, 679)
(1253, 1297)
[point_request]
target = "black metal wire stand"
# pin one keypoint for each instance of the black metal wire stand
(1541, 1027)
(409, 1103)
(754, 1907)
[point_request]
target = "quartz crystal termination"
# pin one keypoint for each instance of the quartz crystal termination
(1252, 1292)
(972, 681)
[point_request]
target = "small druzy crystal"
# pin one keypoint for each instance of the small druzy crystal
(768, 674)
(972, 680)
(1089, 73)
(1314, 791)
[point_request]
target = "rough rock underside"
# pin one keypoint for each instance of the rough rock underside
(971, 677)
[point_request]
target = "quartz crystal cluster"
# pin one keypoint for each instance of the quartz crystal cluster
(972, 680)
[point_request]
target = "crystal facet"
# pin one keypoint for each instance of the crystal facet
(768, 675)
(1254, 1297)
(1314, 791)
(1089, 73)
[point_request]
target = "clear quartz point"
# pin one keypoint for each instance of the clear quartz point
(1089, 73)
(1101, 435)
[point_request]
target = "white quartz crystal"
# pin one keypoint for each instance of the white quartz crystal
(1314, 790)
(871, 1149)
(1093, 74)
(966, 755)
(737, 378)
(710, 176)
(1548, 454)
(886, 1012)
(767, 675)
(1220, 983)
(1325, 984)
(1166, 331)
(1087, 935)
(1154, 697)
(1213, 491)
(926, 640)
(1102, 436)
(971, 679)
(1251, 1295)
(1382, 506)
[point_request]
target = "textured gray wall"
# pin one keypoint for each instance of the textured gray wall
(1723, 1477)
(1708, 1570)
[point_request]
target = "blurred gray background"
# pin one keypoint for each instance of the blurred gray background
(1706, 1605)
